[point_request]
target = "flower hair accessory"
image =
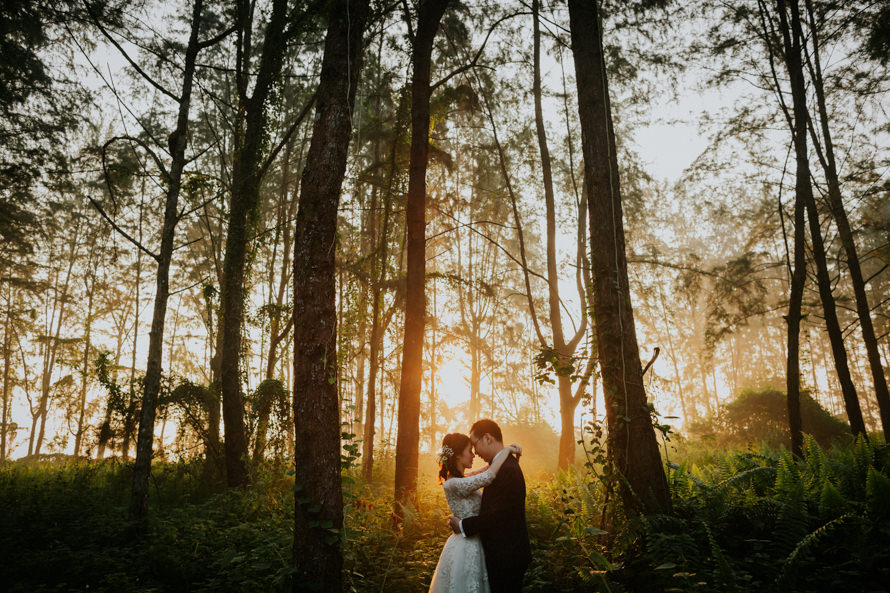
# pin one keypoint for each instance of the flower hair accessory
(445, 453)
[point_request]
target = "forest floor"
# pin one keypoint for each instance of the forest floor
(753, 520)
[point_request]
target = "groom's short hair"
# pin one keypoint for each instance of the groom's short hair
(484, 426)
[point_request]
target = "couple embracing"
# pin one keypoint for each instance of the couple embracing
(489, 550)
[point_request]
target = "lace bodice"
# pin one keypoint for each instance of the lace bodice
(464, 495)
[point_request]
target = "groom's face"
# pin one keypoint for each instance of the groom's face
(482, 445)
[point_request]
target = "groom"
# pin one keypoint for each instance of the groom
(501, 521)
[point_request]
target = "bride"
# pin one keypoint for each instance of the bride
(461, 567)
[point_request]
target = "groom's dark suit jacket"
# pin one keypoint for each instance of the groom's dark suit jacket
(501, 525)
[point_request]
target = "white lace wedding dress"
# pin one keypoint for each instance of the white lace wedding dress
(461, 567)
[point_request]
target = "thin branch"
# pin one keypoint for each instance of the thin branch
(126, 56)
(585, 379)
(287, 136)
(214, 40)
(875, 275)
(466, 224)
(185, 213)
(141, 143)
(139, 245)
(201, 281)
(526, 271)
(407, 16)
(186, 244)
(476, 57)
(499, 246)
(652, 360)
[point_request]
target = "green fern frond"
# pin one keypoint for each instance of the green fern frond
(786, 576)
(725, 570)
(788, 481)
(793, 520)
(816, 459)
(863, 455)
(745, 476)
(877, 494)
(831, 502)
(765, 459)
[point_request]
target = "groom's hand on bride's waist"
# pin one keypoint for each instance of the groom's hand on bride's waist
(454, 524)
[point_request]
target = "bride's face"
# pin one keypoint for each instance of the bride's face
(465, 461)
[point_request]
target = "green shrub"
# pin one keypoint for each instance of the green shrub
(761, 417)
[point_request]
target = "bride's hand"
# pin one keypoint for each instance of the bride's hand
(515, 448)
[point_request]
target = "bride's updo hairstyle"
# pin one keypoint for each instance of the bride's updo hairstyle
(452, 446)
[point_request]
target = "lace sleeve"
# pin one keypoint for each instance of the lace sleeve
(463, 486)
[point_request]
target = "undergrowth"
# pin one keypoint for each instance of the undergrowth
(743, 521)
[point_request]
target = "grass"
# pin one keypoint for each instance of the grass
(743, 520)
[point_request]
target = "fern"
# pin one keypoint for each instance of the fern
(831, 502)
(810, 541)
(723, 567)
(877, 493)
(745, 476)
(792, 522)
(817, 463)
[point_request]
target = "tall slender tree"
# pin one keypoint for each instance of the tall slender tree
(825, 152)
(792, 54)
(251, 129)
(429, 15)
(632, 444)
(318, 500)
(172, 177)
(563, 349)
(792, 36)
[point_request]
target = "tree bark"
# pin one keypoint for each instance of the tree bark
(4, 418)
(429, 15)
(829, 166)
(632, 444)
(801, 114)
(318, 500)
(565, 348)
(177, 144)
(250, 129)
(81, 403)
(803, 191)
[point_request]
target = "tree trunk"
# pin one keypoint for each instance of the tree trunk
(835, 335)
(371, 403)
(82, 400)
(250, 130)
(51, 352)
(565, 349)
(4, 418)
(429, 14)
(277, 334)
(434, 369)
(475, 374)
(177, 144)
(802, 194)
(633, 447)
(379, 277)
(318, 500)
(829, 166)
